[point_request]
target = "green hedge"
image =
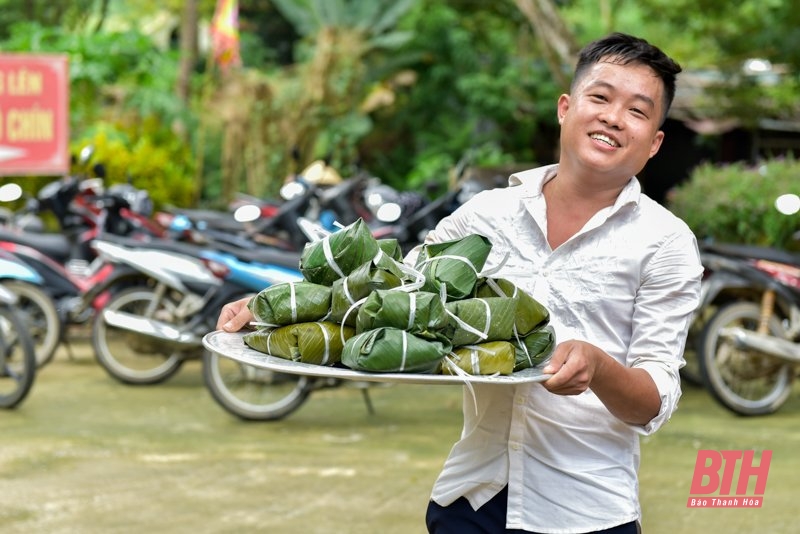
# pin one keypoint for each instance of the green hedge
(736, 203)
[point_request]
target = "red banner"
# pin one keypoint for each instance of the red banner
(34, 115)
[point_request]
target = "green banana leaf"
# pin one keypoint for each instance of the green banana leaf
(338, 254)
(291, 302)
(381, 272)
(314, 342)
(492, 316)
(493, 357)
(535, 348)
(418, 312)
(453, 265)
(392, 350)
(531, 314)
(391, 247)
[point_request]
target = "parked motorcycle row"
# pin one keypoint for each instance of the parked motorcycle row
(150, 285)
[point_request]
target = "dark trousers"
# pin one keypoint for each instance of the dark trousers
(460, 518)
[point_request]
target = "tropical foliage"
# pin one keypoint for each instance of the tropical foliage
(736, 203)
(404, 89)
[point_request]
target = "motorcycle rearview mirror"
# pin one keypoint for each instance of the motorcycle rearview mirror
(86, 154)
(788, 204)
(389, 212)
(10, 192)
(247, 213)
(291, 190)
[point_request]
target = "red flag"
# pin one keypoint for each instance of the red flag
(225, 34)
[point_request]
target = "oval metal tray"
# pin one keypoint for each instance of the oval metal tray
(231, 345)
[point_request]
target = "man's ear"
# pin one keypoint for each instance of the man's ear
(658, 138)
(563, 106)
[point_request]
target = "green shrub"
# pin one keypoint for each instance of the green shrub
(736, 203)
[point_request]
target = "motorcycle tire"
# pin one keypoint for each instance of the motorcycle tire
(38, 312)
(251, 393)
(744, 381)
(131, 357)
(17, 359)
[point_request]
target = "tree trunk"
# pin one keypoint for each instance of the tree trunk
(558, 44)
(188, 49)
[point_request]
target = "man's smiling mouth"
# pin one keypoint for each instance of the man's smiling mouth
(605, 139)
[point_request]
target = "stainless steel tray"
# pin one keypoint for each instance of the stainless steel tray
(231, 345)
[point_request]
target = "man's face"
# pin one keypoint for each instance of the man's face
(610, 122)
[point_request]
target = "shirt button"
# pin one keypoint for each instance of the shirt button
(516, 446)
(545, 273)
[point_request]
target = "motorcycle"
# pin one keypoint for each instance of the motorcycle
(65, 262)
(17, 355)
(33, 303)
(749, 347)
(146, 332)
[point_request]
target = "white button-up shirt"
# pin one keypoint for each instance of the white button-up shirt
(627, 282)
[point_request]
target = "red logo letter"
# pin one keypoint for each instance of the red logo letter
(707, 464)
(747, 470)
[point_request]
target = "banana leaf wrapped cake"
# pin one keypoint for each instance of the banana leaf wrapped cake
(418, 312)
(453, 266)
(478, 320)
(338, 254)
(314, 342)
(534, 348)
(491, 358)
(291, 302)
(530, 313)
(381, 272)
(392, 350)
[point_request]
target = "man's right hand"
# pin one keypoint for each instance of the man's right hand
(235, 315)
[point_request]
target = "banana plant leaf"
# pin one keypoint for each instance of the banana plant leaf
(381, 272)
(479, 320)
(314, 342)
(418, 312)
(535, 348)
(291, 302)
(338, 254)
(453, 265)
(531, 314)
(493, 357)
(392, 350)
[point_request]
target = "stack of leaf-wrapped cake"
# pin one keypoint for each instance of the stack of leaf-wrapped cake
(360, 306)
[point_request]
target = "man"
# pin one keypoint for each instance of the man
(620, 276)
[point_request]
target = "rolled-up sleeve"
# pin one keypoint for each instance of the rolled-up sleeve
(665, 306)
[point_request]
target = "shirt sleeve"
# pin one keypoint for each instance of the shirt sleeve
(665, 305)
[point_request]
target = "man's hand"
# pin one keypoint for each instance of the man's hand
(628, 393)
(573, 366)
(235, 315)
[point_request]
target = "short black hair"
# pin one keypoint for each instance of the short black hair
(624, 49)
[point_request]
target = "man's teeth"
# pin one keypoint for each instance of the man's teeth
(604, 138)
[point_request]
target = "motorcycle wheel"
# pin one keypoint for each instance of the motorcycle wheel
(17, 359)
(131, 357)
(746, 382)
(38, 312)
(251, 393)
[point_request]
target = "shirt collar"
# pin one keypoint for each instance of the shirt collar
(532, 181)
